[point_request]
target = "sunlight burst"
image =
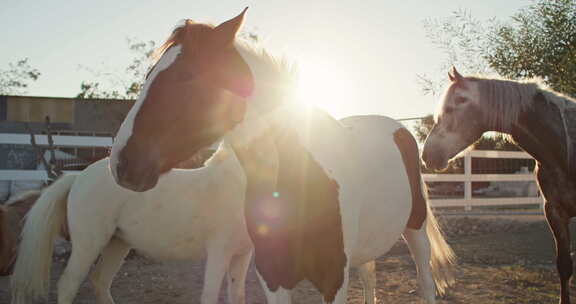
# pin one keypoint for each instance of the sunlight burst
(325, 86)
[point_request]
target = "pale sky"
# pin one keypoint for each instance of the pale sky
(369, 50)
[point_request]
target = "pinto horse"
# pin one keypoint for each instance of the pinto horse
(538, 120)
(181, 219)
(343, 193)
(11, 218)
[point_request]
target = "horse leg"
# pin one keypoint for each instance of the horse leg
(419, 246)
(367, 274)
(216, 265)
(110, 261)
(280, 296)
(81, 259)
(237, 278)
(342, 293)
(559, 223)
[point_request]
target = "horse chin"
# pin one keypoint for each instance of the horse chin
(435, 159)
(437, 164)
(143, 183)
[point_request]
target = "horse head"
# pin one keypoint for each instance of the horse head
(458, 123)
(194, 94)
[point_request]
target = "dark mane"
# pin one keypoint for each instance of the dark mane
(188, 30)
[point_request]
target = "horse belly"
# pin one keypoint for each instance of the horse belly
(379, 229)
(165, 245)
(178, 229)
(383, 188)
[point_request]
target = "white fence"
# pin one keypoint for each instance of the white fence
(59, 141)
(468, 201)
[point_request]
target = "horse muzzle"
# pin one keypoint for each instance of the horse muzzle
(434, 160)
(136, 178)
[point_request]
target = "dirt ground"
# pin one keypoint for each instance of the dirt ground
(501, 260)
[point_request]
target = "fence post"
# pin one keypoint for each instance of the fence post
(468, 181)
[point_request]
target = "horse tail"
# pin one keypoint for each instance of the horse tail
(443, 258)
(31, 278)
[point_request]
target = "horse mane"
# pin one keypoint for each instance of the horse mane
(185, 29)
(277, 67)
(507, 98)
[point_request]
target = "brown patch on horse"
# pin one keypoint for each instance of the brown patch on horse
(297, 229)
(410, 155)
(11, 224)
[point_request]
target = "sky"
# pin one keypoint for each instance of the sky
(355, 57)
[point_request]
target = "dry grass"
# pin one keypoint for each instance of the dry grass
(501, 261)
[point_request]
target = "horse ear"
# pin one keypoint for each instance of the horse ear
(225, 33)
(454, 76)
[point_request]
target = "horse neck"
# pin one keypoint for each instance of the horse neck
(273, 104)
(274, 78)
(542, 132)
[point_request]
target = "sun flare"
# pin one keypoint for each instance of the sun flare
(325, 86)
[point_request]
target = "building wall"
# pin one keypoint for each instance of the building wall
(86, 117)
(100, 116)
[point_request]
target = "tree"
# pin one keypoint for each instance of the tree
(121, 85)
(462, 39)
(540, 41)
(17, 77)
(127, 83)
(422, 128)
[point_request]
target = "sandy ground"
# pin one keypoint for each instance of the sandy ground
(501, 260)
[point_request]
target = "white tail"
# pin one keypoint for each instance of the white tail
(443, 257)
(31, 278)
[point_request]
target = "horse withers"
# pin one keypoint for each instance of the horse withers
(540, 121)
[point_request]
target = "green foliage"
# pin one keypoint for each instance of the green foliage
(16, 79)
(463, 41)
(540, 41)
(422, 128)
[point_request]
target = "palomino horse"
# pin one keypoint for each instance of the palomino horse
(344, 191)
(540, 121)
(11, 218)
(181, 219)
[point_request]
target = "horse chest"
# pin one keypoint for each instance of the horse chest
(181, 227)
(297, 226)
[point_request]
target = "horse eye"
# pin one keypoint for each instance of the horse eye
(460, 100)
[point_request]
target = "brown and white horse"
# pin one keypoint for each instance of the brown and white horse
(540, 121)
(11, 220)
(344, 191)
(181, 219)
